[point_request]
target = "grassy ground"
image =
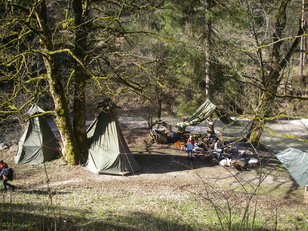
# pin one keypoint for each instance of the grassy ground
(171, 193)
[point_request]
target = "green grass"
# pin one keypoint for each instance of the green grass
(90, 211)
(148, 203)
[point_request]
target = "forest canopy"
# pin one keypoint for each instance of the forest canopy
(152, 58)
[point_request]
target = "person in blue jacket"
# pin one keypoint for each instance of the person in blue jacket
(6, 174)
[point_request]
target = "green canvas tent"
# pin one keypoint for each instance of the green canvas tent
(38, 144)
(296, 161)
(201, 114)
(108, 151)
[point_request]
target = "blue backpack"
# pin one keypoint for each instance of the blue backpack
(8, 173)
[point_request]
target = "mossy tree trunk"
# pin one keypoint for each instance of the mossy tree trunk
(70, 148)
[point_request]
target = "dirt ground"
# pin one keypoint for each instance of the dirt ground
(162, 164)
(166, 177)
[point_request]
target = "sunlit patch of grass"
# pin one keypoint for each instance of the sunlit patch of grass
(127, 211)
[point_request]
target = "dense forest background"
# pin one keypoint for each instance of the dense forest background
(152, 58)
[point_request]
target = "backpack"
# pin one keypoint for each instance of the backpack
(8, 173)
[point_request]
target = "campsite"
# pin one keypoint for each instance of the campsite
(169, 193)
(156, 115)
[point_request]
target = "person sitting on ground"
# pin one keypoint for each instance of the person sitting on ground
(235, 154)
(191, 140)
(196, 141)
(218, 145)
(6, 174)
(210, 140)
(202, 144)
(218, 148)
(197, 148)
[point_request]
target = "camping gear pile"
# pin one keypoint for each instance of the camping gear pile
(232, 157)
(160, 132)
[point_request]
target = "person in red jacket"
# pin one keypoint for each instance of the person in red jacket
(190, 144)
(191, 140)
(3, 165)
(6, 174)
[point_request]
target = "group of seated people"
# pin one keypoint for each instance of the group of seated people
(193, 146)
(224, 154)
(208, 143)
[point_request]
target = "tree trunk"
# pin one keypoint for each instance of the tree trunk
(81, 77)
(70, 149)
(273, 79)
(258, 123)
(304, 23)
(208, 50)
(159, 109)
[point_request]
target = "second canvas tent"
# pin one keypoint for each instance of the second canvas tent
(37, 144)
(108, 150)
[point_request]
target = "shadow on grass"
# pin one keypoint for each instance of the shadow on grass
(24, 217)
(42, 192)
(162, 163)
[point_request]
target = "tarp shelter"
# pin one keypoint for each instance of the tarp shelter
(108, 150)
(201, 114)
(296, 161)
(38, 144)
